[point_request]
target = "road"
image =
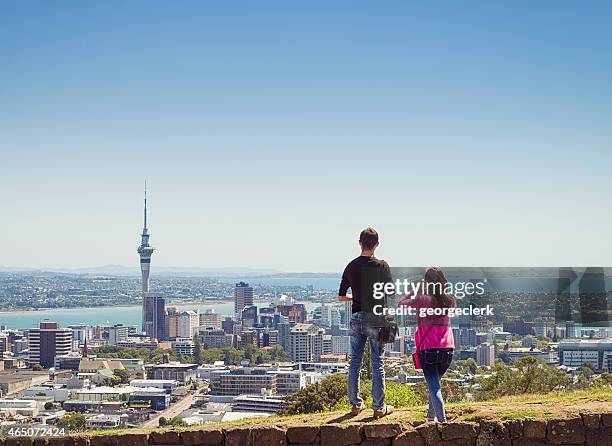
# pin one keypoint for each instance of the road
(172, 411)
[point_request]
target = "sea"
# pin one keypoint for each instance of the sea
(127, 315)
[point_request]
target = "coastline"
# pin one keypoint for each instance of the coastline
(168, 304)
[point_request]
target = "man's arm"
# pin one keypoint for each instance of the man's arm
(344, 286)
(389, 279)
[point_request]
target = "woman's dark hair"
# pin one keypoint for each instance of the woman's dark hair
(435, 286)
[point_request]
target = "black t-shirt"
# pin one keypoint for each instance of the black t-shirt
(360, 275)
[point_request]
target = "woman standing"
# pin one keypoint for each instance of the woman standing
(434, 337)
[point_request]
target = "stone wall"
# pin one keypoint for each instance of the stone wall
(586, 430)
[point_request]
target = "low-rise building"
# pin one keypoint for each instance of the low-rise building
(182, 373)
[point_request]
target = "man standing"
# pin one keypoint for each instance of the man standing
(360, 275)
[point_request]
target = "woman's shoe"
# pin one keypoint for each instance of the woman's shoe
(386, 410)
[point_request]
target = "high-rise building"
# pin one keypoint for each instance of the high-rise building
(485, 355)
(48, 341)
(173, 317)
(570, 329)
(210, 319)
(153, 304)
(188, 324)
(306, 343)
(248, 316)
(154, 316)
(117, 333)
(243, 297)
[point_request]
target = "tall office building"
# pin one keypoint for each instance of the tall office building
(188, 324)
(153, 304)
(243, 297)
(48, 341)
(173, 318)
(210, 319)
(485, 355)
(154, 316)
(117, 333)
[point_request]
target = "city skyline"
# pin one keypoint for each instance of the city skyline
(466, 135)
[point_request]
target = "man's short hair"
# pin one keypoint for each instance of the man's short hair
(368, 238)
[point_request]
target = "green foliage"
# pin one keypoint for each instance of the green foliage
(37, 368)
(451, 392)
(255, 355)
(527, 375)
(149, 356)
(48, 405)
(176, 422)
(122, 375)
(330, 395)
(73, 422)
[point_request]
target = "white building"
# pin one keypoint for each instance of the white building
(184, 346)
(305, 343)
(188, 324)
(576, 352)
(117, 333)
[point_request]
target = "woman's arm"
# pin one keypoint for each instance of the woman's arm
(409, 300)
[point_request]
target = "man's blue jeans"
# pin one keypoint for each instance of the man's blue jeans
(361, 332)
(434, 363)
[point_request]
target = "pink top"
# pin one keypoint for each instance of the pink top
(433, 331)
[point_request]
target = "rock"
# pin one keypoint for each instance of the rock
(590, 420)
(450, 431)
(340, 434)
(534, 428)
(568, 431)
(410, 437)
(373, 442)
(207, 436)
(235, 436)
(430, 433)
(303, 434)
(493, 433)
(268, 436)
(18, 441)
(599, 437)
(528, 442)
(164, 437)
(515, 428)
(102, 440)
(606, 419)
(386, 430)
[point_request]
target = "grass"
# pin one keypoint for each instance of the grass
(555, 404)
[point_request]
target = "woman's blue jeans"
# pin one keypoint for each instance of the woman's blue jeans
(361, 332)
(434, 363)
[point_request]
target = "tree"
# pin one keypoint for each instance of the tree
(49, 405)
(197, 349)
(123, 375)
(73, 422)
(37, 368)
(318, 396)
(176, 422)
(527, 375)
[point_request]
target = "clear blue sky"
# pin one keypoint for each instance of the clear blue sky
(467, 133)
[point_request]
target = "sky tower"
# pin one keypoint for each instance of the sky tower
(145, 250)
(153, 304)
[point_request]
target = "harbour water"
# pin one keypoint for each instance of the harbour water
(127, 315)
